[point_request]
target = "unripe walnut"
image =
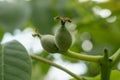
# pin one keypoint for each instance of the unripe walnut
(48, 43)
(63, 38)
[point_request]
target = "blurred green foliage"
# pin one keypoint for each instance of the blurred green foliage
(114, 76)
(13, 14)
(101, 31)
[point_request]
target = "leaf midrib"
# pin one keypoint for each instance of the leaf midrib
(2, 62)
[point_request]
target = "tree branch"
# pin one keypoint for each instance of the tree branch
(83, 56)
(39, 58)
(115, 57)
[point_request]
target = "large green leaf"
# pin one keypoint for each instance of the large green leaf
(15, 63)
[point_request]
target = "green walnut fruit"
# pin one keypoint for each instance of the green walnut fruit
(63, 38)
(48, 43)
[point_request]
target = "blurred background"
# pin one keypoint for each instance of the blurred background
(95, 26)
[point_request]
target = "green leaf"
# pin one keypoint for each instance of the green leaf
(15, 63)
